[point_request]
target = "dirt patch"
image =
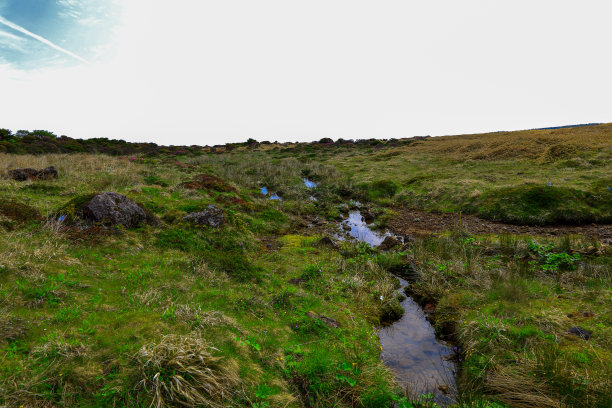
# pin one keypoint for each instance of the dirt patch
(415, 222)
(18, 211)
(208, 182)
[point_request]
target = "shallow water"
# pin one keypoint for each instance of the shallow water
(264, 191)
(409, 346)
(411, 350)
(361, 231)
(309, 184)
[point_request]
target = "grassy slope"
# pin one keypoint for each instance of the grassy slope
(498, 175)
(86, 316)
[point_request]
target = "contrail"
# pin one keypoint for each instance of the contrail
(39, 38)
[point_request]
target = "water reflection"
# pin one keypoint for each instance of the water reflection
(411, 350)
(309, 184)
(409, 345)
(360, 230)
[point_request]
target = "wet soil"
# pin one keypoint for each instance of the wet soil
(416, 222)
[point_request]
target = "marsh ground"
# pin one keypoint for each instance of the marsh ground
(175, 314)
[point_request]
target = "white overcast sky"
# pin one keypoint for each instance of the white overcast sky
(208, 72)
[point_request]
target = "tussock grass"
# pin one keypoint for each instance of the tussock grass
(184, 371)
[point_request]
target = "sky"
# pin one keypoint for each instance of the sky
(211, 72)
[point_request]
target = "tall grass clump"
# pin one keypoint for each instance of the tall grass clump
(186, 371)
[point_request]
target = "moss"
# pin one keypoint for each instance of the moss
(391, 312)
(541, 205)
(73, 209)
(381, 189)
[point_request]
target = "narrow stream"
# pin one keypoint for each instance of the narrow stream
(411, 350)
(409, 345)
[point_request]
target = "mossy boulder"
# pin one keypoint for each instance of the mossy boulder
(106, 208)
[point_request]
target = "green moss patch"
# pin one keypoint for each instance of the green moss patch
(542, 205)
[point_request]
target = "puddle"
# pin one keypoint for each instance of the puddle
(309, 184)
(264, 191)
(409, 345)
(411, 350)
(360, 230)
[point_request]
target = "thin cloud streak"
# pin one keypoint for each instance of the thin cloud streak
(16, 27)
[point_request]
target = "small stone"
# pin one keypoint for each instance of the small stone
(328, 242)
(212, 217)
(367, 216)
(580, 332)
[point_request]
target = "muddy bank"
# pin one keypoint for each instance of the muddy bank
(416, 222)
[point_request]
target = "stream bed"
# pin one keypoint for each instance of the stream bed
(420, 361)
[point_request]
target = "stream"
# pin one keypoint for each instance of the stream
(409, 346)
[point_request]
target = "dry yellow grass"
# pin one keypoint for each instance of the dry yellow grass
(67, 164)
(529, 144)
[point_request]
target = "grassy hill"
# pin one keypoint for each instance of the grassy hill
(261, 313)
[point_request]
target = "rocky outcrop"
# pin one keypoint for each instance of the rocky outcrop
(212, 217)
(33, 174)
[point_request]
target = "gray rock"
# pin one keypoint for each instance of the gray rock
(114, 209)
(33, 174)
(212, 216)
